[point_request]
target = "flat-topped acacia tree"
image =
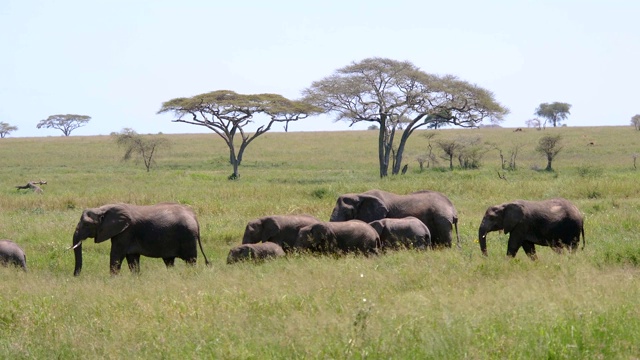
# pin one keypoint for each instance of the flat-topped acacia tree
(397, 95)
(228, 113)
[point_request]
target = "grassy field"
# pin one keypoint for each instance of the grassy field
(448, 304)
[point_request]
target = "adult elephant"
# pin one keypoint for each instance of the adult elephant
(254, 252)
(339, 237)
(12, 254)
(432, 208)
(280, 229)
(408, 232)
(555, 222)
(165, 230)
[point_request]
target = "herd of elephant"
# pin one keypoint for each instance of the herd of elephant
(365, 223)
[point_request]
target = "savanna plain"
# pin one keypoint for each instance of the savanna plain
(444, 304)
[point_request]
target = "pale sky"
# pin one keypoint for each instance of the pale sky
(118, 60)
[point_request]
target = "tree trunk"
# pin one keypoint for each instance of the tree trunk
(381, 149)
(549, 159)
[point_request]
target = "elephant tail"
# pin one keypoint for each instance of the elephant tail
(455, 224)
(584, 241)
(206, 261)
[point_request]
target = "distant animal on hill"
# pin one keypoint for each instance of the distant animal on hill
(165, 230)
(432, 208)
(254, 252)
(280, 229)
(556, 223)
(12, 254)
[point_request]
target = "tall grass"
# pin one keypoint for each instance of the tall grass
(441, 304)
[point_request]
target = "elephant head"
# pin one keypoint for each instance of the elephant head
(102, 224)
(499, 217)
(317, 238)
(359, 206)
(258, 230)
(241, 253)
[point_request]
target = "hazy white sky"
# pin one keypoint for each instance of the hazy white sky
(118, 60)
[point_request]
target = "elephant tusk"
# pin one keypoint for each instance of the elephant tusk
(76, 245)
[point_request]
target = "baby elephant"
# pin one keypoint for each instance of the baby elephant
(254, 252)
(409, 232)
(339, 237)
(12, 254)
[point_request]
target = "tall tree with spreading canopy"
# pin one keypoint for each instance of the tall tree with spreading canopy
(6, 129)
(65, 123)
(398, 96)
(554, 112)
(228, 113)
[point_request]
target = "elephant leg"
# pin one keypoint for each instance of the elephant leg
(530, 249)
(441, 236)
(558, 248)
(115, 262)
(133, 260)
(169, 261)
(513, 246)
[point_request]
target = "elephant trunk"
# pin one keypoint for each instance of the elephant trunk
(77, 250)
(337, 215)
(482, 238)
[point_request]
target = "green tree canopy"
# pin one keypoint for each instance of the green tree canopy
(65, 123)
(554, 112)
(549, 146)
(398, 96)
(6, 129)
(228, 113)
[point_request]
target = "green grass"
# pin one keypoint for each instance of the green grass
(445, 304)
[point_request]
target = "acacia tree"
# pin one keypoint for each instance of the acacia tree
(227, 113)
(635, 121)
(6, 129)
(549, 146)
(146, 146)
(65, 123)
(554, 112)
(398, 96)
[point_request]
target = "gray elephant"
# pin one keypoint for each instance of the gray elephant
(12, 254)
(279, 229)
(432, 208)
(556, 223)
(255, 252)
(339, 237)
(165, 230)
(408, 232)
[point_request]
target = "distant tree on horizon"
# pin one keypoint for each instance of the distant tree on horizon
(6, 129)
(399, 97)
(549, 146)
(534, 123)
(554, 112)
(635, 121)
(227, 113)
(145, 146)
(65, 123)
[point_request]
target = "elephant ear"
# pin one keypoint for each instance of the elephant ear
(270, 228)
(371, 208)
(114, 221)
(512, 215)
